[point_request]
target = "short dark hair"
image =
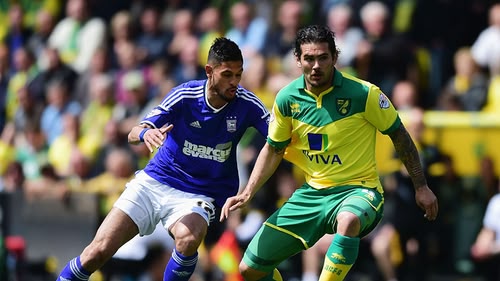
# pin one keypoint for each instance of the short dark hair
(222, 50)
(315, 34)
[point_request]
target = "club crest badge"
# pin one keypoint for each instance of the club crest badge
(231, 125)
(343, 106)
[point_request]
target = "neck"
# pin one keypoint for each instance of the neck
(214, 100)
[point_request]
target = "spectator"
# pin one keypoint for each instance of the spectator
(187, 68)
(25, 70)
(7, 147)
(121, 33)
(78, 35)
(280, 39)
(340, 20)
(256, 80)
(52, 68)
(152, 41)
(29, 111)
(484, 49)
(5, 74)
(383, 57)
(111, 140)
(101, 104)
(247, 30)
(32, 151)
(136, 91)
(110, 183)
(44, 25)
(59, 103)
(100, 65)
(209, 27)
(64, 147)
(128, 62)
(182, 29)
(467, 89)
(405, 95)
(486, 249)
(13, 178)
(18, 33)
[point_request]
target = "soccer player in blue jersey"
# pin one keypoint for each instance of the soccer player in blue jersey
(196, 129)
(325, 122)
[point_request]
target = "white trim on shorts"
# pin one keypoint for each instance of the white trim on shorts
(147, 202)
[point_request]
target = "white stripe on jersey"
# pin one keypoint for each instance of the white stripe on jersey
(249, 96)
(179, 94)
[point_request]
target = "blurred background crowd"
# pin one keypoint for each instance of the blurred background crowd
(76, 75)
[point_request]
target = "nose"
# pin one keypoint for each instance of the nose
(234, 81)
(316, 64)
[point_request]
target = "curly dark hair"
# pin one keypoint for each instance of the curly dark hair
(223, 50)
(315, 34)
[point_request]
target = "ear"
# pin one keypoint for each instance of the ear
(299, 64)
(209, 70)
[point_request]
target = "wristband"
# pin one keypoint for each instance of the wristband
(141, 135)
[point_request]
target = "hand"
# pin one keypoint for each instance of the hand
(154, 138)
(479, 252)
(427, 201)
(233, 203)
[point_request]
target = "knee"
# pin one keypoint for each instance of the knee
(187, 241)
(381, 242)
(250, 274)
(380, 247)
(96, 254)
(348, 224)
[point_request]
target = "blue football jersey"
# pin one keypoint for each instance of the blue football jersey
(199, 154)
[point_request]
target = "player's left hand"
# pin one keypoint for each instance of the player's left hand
(427, 201)
(154, 138)
(233, 203)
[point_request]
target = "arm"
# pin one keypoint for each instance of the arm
(267, 162)
(485, 246)
(151, 137)
(408, 154)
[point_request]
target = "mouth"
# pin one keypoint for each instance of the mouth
(316, 76)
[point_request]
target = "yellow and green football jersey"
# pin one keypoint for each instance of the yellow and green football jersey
(331, 137)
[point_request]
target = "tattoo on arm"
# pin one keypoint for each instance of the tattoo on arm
(408, 154)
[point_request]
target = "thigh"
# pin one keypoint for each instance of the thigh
(366, 203)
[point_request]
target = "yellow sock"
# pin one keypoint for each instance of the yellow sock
(334, 272)
(339, 258)
(277, 275)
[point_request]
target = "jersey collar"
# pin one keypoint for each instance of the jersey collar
(215, 110)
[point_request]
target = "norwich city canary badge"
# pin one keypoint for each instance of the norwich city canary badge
(343, 106)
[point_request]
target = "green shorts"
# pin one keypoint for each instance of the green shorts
(307, 216)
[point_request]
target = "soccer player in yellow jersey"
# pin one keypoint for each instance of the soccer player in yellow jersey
(325, 122)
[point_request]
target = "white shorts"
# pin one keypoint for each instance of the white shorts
(148, 202)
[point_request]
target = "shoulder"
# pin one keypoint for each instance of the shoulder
(190, 90)
(354, 84)
(292, 89)
(248, 98)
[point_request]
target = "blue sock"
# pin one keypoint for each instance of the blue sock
(73, 271)
(179, 267)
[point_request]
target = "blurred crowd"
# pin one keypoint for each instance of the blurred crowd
(76, 75)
